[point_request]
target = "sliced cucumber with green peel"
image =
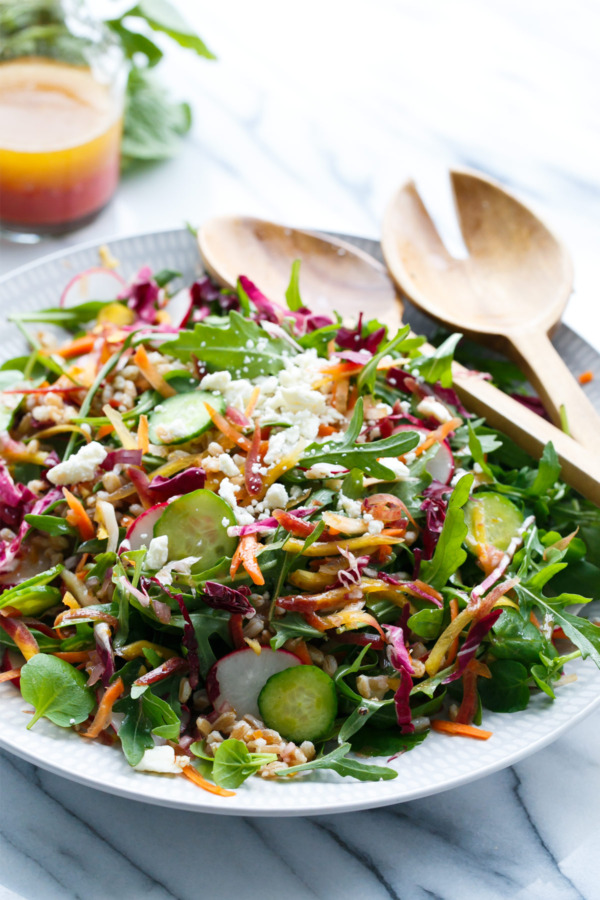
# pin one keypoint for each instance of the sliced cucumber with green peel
(182, 417)
(491, 519)
(196, 525)
(300, 703)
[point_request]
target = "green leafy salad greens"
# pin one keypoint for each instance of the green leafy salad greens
(244, 539)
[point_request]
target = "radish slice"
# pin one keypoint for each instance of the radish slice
(93, 284)
(179, 308)
(141, 531)
(237, 679)
(440, 466)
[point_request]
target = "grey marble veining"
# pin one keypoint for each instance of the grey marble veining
(314, 114)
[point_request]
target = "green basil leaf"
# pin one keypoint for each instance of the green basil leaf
(56, 690)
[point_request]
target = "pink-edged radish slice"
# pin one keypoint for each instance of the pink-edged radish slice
(141, 531)
(237, 679)
(440, 466)
(179, 308)
(93, 284)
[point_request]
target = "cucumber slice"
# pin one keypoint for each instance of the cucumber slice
(196, 525)
(182, 417)
(300, 703)
(491, 519)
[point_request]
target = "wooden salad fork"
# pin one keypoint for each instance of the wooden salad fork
(509, 292)
(336, 275)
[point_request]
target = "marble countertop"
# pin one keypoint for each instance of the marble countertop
(313, 115)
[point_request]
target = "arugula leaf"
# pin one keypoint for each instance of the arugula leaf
(580, 631)
(135, 731)
(162, 16)
(56, 690)
(52, 525)
(449, 554)
(376, 742)
(33, 596)
(337, 761)
(319, 339)
(242, 347)
(207, 623)
(477, 452)
(165, 721)
(351, 455)
(152, 124)
(234, 763)
(438, 366)
(508, 689)
(548, 472)
(66, 317)
(368, 374)
(292, 625)
(292, 294)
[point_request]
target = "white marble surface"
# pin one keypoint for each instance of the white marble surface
(314, 113)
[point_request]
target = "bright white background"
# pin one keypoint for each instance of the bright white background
(314, 113)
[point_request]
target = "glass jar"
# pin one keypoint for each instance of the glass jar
(62, 89)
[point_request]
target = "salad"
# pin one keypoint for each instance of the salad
(239, 539)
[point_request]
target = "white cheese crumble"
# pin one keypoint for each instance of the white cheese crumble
(375, 526)
(351, 507)
(276, 497)
(324, 470)
(431, 407)
(80, 467)
(158, 552)
(180, 566)
(227, 465)
(162, 760)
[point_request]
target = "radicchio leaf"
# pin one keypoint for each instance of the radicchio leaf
(189, 641)
(10, 549)
(268, 310)
(102, 658)
(232, 600)
(161, 488)
(353, 339)
(397, 653)
(121, 457)
(142, 295)
(474, 638)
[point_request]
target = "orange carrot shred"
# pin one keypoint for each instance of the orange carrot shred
(586, 377)
(80, 518)
(73, 656)
(151, 373)
(245, 555)
(194, 775)
(78, 347)
(10, 675)
(104, 431)
(252, 401)
(455, 728)
(227, 428)
(142, 435)
(102, 717)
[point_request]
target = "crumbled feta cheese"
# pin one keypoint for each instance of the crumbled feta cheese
(351, 507)
(216, 381)
(80, 467)
(180, 566)
(430, 407)
(398, 468)
(162, 760)
(170, 434)
(276, 497)
(457, 476)
(324, 470)
(375, 526)
(227, 491)
(227, 465)
(158, 552)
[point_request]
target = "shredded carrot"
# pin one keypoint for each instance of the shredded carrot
(252, 401)
(454, 645)
(78, 347)
(456, 728)
(325, 430)
(73, 656)
(78, 516)
(436, 437)
(104, 431)
(143, 441)
(245, 555)
(301, 650)
(586, 377)
(82, 562)
(102, 717)
(534, 619)
(10, 675)
(227, 428)
(194, 775)
(559, 635)
(151, 373)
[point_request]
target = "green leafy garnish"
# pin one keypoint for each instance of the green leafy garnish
(449, 554)
(56, 690)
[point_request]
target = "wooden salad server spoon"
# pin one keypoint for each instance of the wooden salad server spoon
(336, 275)
(509, 292)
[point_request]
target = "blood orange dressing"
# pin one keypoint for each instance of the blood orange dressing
(60, 133)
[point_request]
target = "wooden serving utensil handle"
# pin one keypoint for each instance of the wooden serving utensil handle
(556, 386)
(580, 466)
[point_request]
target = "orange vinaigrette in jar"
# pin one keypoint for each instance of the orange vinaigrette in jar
(60, 132)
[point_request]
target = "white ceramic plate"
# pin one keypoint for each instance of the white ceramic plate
(438, 764)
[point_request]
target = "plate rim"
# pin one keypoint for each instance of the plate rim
(136, 792)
